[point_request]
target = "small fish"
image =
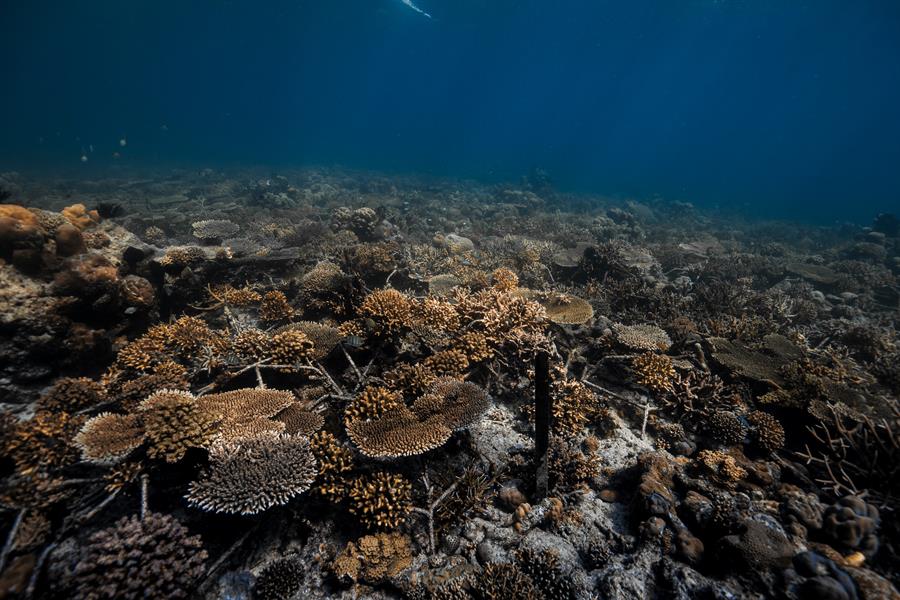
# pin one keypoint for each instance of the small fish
(164, 127)
(123, 142)
(410, 4)
(84, 158)
(91, 148)
(116, 155)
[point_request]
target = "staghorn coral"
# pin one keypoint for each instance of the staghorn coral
(474, 345)
(280, 579)
(275, 307)
(73, 394)
(108, 438)
(153, 557)
(504, 279)
(390, 311)
(174, 422)
(381, 500)
(250, 475)
(654, 371)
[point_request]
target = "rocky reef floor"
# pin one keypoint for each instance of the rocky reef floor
(322, 384)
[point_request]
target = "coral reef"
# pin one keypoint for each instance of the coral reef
(331, 377)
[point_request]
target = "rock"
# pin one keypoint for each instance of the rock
(853, 523)
(458, 244)
(762, 545)
(69, 240)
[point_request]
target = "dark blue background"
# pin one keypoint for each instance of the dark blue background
(790, 108)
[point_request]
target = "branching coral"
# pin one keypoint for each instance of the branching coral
(381, 500)
(73, 394)
(727, 427)
(250, 475)
(504, 279)
(290, 347)
(334, 461)
(371, 403)
(390, 311)
(108, 438)
(275, 307)
(573, 406)
(324, 338)
(153, 557)
(44, 442)
(768, 432)
(281, 579)
(174, 422)
(654, 371)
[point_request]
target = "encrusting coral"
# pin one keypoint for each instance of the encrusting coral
(250, 475)
(374, 559)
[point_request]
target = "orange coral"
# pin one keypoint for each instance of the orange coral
(81, 217)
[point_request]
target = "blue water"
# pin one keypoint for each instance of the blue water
(781, 108)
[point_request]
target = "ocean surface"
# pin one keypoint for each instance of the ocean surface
(786, 109)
